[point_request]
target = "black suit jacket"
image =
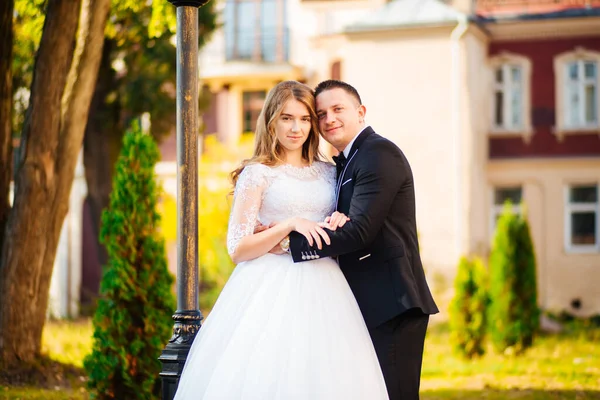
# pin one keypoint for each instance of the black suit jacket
(377, 249)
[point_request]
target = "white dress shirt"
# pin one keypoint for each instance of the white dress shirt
(347, 149)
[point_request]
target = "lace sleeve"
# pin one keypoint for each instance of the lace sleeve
(247, 199)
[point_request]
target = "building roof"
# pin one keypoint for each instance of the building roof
(407, 13)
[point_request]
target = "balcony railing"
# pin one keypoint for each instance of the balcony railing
(252, 45)
(256, 30)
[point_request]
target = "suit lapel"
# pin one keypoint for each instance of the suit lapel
(360, 139)
(353, 151)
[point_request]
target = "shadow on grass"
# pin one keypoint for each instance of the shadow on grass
(510, 394)
(43, 373)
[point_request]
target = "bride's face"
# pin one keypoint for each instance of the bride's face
(292, 127)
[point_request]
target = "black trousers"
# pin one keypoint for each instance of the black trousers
(399, 347)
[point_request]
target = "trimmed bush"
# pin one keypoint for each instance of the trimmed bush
(133, 322)
(514, 313)
(469, 307)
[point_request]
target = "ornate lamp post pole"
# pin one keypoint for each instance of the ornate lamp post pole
(187, 317)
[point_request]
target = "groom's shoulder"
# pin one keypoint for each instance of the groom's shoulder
(378, 143)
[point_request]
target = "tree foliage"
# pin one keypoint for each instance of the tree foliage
(141, 53)
(28, 23)
(143, 57)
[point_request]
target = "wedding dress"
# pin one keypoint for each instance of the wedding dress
(281, 330)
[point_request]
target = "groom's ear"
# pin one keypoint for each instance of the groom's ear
(362, 112)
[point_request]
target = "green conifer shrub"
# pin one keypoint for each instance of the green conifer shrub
(514, 313)
(469, 307)
(132, 323)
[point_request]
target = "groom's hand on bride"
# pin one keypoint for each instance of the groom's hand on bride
(312, 231)
(336, 220)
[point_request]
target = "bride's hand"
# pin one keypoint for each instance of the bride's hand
(261, 228)
(336, 220)
(311, 231)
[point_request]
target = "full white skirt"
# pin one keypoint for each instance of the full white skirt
(281, 330)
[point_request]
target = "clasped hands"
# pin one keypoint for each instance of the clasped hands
(312, 231)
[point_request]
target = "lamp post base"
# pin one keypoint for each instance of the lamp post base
(174, 356)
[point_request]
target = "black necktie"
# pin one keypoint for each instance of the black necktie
(340, 163)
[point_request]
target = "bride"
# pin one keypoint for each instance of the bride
(281, 330)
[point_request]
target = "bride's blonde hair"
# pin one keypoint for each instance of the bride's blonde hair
(267, 149)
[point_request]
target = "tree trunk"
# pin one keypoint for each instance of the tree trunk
(64, 77)
(6, 43)
(101, 145)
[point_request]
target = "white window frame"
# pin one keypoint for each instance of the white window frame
(507, 60)
(560, 62)
(570, 208)
(253, 94)
(497, 209)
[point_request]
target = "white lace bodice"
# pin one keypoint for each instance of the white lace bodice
(271, 194)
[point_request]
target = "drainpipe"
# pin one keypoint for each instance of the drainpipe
(456, 125)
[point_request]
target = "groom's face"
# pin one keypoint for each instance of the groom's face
(340, 115)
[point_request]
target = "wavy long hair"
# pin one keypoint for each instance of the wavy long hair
(267, 149)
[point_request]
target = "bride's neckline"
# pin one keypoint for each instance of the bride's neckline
(291, 166)
(300, 172)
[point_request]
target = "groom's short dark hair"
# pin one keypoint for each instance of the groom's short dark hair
(335, 84)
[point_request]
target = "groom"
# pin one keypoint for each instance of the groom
(377, 249)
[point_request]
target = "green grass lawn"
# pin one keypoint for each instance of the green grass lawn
(565, 366)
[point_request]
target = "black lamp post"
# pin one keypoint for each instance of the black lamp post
(188, 316)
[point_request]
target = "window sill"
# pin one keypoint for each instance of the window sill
(560, 133)
(583, 249)
(505, 133)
